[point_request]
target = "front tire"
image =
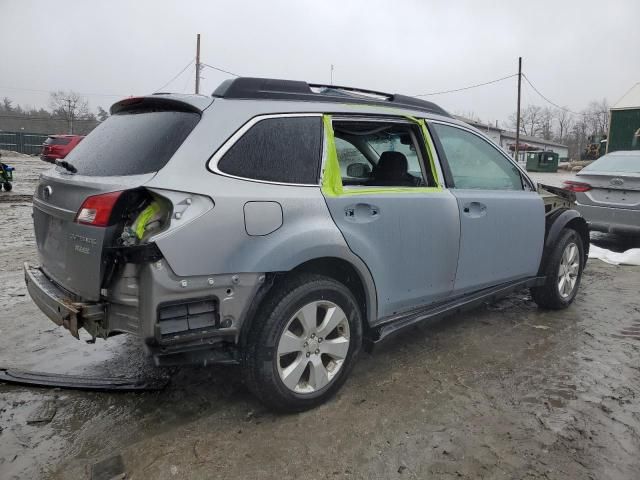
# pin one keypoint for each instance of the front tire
(303, 343)
(7, 186)
(563, 272)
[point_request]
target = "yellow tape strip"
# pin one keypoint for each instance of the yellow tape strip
(331, 177)
(430, 149)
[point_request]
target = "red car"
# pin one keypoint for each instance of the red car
(56, 147)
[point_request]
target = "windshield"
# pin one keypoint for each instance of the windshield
(615, 163)
(132, 143)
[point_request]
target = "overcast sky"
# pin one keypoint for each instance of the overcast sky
(573, 51)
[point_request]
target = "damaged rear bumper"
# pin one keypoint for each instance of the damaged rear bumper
(181, 320)
(56, 304)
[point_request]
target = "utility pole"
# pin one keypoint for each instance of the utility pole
(518, 114)
(198, 65)
(70, 113)
(331, 74)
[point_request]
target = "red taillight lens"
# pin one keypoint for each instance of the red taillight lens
(96, 210)
(576, 186)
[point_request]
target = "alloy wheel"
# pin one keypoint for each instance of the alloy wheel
(568, 271)
(313, 347)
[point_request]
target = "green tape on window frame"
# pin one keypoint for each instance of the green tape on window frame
(332, 179)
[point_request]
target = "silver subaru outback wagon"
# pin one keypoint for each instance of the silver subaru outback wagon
(283, 226)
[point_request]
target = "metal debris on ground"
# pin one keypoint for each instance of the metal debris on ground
(81, 382)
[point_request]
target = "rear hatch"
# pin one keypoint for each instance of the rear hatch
(611, 190)
(73, 211)
(611, 181)
(54, 146)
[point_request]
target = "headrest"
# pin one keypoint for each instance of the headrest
(391, 164)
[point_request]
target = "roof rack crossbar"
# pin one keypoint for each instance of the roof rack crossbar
(276, 89)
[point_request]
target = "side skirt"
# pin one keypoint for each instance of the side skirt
(394, 325)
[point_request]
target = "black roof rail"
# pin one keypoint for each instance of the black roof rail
(275, 89)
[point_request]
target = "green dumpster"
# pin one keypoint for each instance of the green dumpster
(542, 162)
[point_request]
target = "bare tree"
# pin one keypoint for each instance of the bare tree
(546, 123)
(579, 136)
(597, 117)
(530, 120)
(102, 114)
(69, 105)
(7, 105)
(564, 119)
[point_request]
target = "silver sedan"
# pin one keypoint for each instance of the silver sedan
(608, 193)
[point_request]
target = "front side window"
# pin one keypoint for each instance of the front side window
(283, 150)
(380, 154)
(475, 163)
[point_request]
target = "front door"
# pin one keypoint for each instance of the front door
(382, 189)
(501, 216)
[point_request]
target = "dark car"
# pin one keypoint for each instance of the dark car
(56, 147)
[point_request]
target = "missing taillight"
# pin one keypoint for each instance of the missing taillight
(96, 210)
(578, 187)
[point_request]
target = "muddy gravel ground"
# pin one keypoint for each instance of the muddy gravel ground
(508, 391)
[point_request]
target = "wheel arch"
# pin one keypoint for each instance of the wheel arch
(354, 276)
(558, 221)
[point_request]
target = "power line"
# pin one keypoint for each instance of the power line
(545, 98)
(176, 76)
(220, 69)
(467, 88)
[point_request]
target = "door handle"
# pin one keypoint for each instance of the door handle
(474, 209)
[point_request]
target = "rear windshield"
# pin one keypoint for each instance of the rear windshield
(57, 141)
(615, 163)
(132, 143)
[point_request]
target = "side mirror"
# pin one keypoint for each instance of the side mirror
(358, 170)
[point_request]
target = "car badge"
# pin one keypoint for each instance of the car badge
(616, 181)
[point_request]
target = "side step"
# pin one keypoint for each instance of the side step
(81, 382)
(391, 326)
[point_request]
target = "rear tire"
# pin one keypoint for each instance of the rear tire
(563, 272)
(303, 343)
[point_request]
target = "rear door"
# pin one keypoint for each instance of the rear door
(501, 216)
(396, 217)
(122, 153)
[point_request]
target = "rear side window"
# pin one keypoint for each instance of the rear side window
(57, 141)
(132, 143)
(284, 150)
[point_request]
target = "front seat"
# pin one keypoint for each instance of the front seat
(392, 170)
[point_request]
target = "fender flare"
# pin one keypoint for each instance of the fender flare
(359, 267)
(558, 221)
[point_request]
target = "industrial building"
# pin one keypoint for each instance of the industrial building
(624, 122)
(507, 140)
